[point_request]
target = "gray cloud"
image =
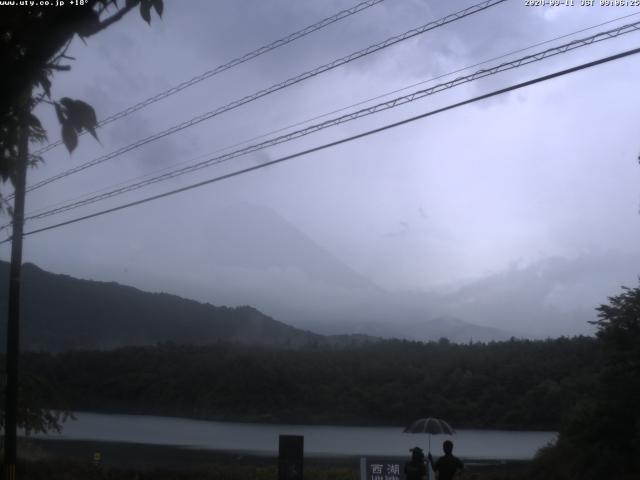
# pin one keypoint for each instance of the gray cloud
(547, 175)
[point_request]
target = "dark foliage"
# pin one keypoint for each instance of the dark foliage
(35, 395)
(73, 470)
(515, 384)
(33, 43)
(601, 436)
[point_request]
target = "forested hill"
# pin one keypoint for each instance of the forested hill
(517, 384)
(60, 312)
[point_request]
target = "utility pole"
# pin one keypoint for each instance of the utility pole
(13, 324)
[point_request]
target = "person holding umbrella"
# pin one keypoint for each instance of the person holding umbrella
(447, 465)
(430, 426)
(415, 469)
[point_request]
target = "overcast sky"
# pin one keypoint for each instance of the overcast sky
(507, 186)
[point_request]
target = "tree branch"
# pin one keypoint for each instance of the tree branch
(114, 18)
(53, 66)
(63, 52)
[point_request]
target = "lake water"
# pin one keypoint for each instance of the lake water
(318, 440)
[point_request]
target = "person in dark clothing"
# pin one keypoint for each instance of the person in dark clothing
(416, 468)
(447, 465)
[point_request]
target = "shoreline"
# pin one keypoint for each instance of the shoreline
(151, 456)
(267, 420)
(261, 439)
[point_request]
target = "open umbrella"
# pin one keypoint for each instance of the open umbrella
(430, 425)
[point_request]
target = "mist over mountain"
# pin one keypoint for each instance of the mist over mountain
(259, 258)
(256, 257)
(254, 237)
(451, 328)
(552, 297)
(295, 287)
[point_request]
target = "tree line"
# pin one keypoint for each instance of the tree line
(600, 435)
(518, 384)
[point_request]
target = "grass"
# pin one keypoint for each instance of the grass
(73, 460)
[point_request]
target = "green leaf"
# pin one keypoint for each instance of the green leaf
(145, 10)
(89, 24)
(159, 6)
(59, 112)
(69, 137)
(35, 160)
(34, 121)
(86, 116)
(66, 102)
(80, 115)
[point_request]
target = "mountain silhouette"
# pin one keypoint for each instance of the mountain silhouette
(60, 312)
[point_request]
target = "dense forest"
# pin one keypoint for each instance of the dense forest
(587, 388)
(515, 384)
(600, 436)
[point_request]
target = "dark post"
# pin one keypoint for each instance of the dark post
(13, 324)
(290, 459)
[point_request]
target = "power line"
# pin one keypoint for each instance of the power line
(364, 112)
(438, 77)
(274, 88)
(393, 103)
(344, 140)
(317, 117)
(232, 63)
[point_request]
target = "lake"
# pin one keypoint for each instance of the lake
(318, 440)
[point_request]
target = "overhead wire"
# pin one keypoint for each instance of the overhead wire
(393, 103)
(274, 88)
(226, 66)
(343, 140)
(326, 114)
